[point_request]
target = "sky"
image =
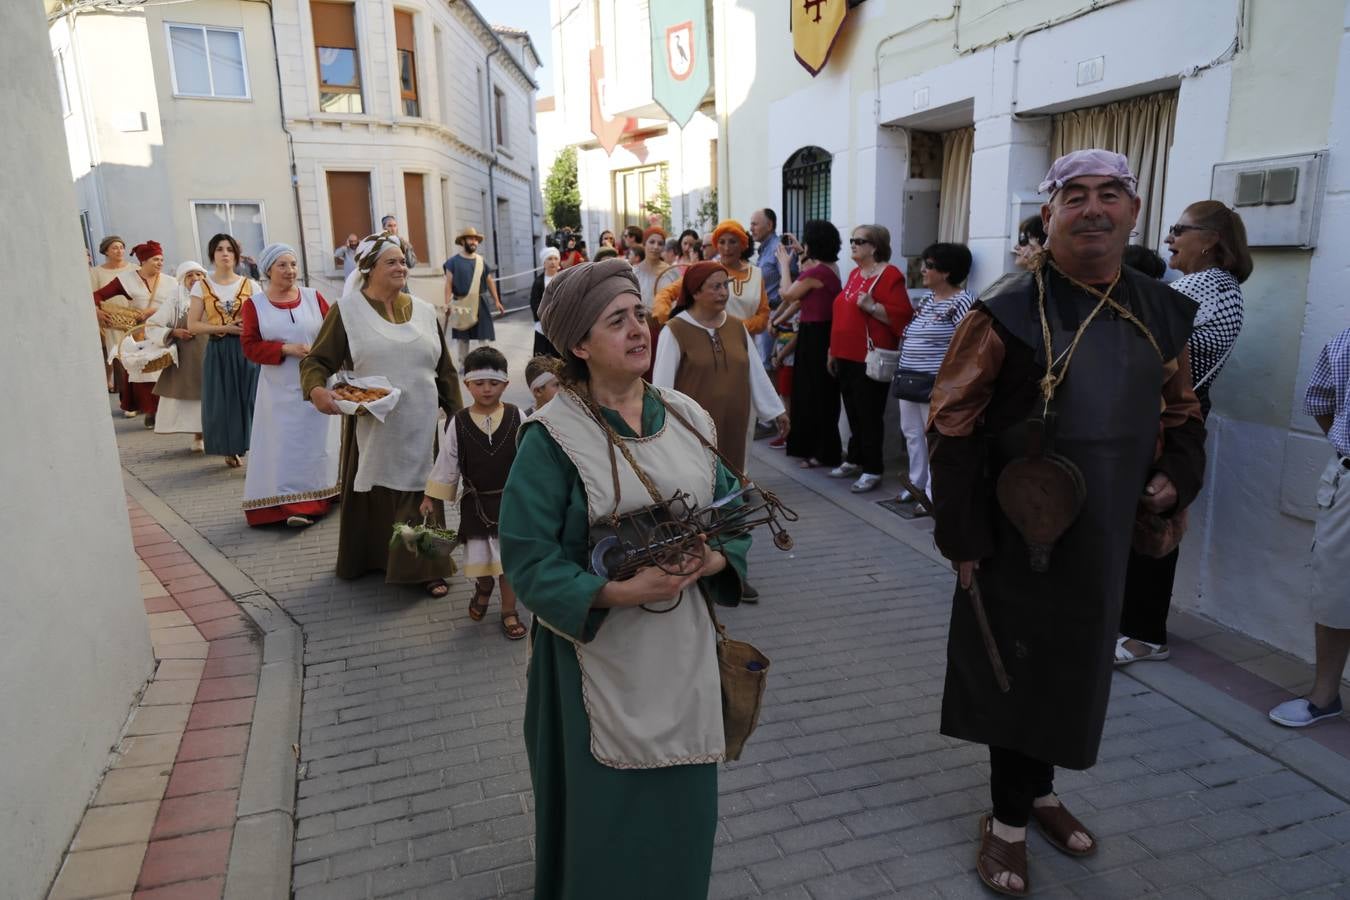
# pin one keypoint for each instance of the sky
(532, 15)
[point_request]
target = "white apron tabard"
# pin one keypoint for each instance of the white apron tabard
(743, 299)
(649, 681)
(293, 451)
(138, 298)
(395, 453)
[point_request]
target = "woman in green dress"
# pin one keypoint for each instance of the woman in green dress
(623, 716)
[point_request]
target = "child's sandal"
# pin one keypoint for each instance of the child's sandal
(512, 627)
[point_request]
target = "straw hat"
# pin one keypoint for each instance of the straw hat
(469, 233)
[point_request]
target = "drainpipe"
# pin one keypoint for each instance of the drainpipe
(290, 145)
(492, 164)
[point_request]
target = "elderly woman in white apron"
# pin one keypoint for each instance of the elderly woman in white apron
(379, 329)
(625, 782)
(179, 388)
(292, 472)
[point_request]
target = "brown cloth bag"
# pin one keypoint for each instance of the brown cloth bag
(745, 673)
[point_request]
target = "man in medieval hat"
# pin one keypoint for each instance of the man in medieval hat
(468, 284)
(1063, 407)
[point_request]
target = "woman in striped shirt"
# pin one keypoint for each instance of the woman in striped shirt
(944, 270)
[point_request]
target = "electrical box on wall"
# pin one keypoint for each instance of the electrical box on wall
(918, 216)
(1279, 197)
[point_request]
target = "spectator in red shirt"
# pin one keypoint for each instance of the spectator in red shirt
(872, 306)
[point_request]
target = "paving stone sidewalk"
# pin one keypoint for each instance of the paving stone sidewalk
(414, 780)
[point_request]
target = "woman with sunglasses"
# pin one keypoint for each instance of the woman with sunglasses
(873, 308)
(1208, 245)
(944, 268)
(1030, 241)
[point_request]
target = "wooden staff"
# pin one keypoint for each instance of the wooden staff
(976, 601)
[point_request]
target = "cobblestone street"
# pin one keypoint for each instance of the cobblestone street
(413, 777)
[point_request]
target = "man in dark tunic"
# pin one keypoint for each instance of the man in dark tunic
(1126, 416)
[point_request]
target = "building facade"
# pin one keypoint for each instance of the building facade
(654, 164)
(172, 116)
(416, 109)
(302, 122)
(938, 120)
(75, 650)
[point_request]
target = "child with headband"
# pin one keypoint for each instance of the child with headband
(477, 449)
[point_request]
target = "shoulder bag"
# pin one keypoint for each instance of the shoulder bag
(880, 365)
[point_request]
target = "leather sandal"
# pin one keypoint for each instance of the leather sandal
(512, 627)
(478, 606)
(997, 856)
(1058, 825)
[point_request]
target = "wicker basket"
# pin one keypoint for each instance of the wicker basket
(121, 318)
(158, 363)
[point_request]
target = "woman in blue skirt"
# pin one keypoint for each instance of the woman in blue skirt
(229, 381)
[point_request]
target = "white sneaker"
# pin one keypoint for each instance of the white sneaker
(865, 483)
(299, 521)
(845, 470)
(1301, 713)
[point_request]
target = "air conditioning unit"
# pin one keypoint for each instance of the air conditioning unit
(1279, 197)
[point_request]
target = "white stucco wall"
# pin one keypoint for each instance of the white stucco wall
(141, 154)
(1244, 562)
(75, 649)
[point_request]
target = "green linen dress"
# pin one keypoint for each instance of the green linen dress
(599, 832)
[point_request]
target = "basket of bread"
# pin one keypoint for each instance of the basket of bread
(120, 318)
(371, 395)
(144, 360)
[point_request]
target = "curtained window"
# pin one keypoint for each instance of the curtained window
(1141, 128)
(958, 147)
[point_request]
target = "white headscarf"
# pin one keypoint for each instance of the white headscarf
(184, 294)
(368, 252)
(270, 254)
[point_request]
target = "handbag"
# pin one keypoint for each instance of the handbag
(916, 387)
(742, 669)
(878, 364)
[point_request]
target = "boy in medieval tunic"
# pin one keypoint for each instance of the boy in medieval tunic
(477, 449)
(1116, 377)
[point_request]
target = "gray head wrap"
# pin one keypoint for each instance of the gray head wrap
(576, 297)
(271, 253)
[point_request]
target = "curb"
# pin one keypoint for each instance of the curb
(260, 854)
(1296, 751)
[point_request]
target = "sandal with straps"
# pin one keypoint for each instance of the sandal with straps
(1058, 825)
(997, 856)
(478, 606)
(516, 631)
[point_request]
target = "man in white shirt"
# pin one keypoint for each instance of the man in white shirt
(345, 255)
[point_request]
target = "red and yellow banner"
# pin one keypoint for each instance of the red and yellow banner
(816, 25)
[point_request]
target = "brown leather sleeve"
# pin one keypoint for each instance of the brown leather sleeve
(965, 381)
(1183, 434)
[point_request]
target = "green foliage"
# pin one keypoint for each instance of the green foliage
(660, 204)
(706, 215)
(562, 197)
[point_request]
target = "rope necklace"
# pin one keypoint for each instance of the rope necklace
(1050, 381)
